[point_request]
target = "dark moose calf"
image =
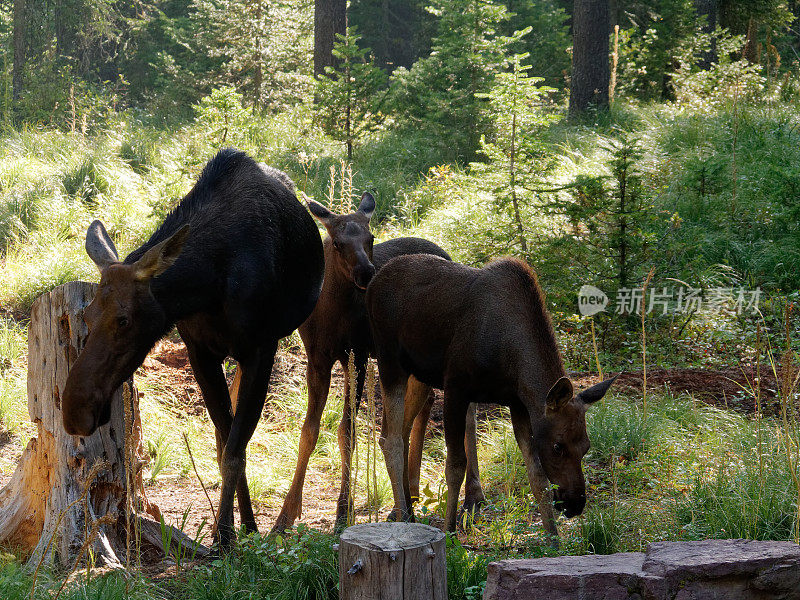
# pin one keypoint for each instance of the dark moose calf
(237, 266)
(481, 335)
(338, 326)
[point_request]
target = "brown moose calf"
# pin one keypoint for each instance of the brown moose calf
(481, 335)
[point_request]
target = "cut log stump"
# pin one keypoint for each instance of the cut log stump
(392, 561)
(73, 494)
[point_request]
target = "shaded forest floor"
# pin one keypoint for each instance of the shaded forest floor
(181, 498)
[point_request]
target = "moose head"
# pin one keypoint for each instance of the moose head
(561, 441)
(351, 239)
(124, 321)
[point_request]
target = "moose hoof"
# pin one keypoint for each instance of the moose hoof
(399, 516)
(340, 525)
(472, 506)
(282, 523)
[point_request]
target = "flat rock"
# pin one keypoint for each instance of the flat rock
(608, 577)
(704, 570)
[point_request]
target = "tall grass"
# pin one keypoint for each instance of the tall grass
(621, 429)
(13, 408)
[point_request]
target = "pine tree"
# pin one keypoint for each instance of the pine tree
(612, 218)
(263, 47)
(516, 155)
(351, 96)
(439, 92)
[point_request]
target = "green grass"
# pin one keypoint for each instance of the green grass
(16, 583)
(13, 348)
(300, 566)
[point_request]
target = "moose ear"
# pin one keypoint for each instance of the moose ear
(160, 257)
(559, 394)
(596, 392)
(367, 206)
(99, 246)
(320, 212)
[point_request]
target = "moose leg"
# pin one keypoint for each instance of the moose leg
(473, 492)
(242, 490)
(416, 443)
(347, 442)
(318, 377)
(252, 393)
(455, 414)
(208, 372)
(391, 440)
(416, 400)
(540, 485)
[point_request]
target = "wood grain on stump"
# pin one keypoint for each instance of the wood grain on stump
(392, 561)
(71, 494)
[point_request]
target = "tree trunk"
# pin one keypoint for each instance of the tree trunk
(19, 48)
(70, 494)
(590, 70)
(392, 561)
(752, 50)
(709, 10)
(329, 19)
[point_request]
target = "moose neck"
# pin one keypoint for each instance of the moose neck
(336, 284)
(540, 364)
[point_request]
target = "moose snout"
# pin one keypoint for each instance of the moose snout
(571, 504)
(83, 412)
(363, 274)
(79, 423)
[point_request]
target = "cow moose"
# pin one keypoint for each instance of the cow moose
(481, 335)
(237, 265)
(339, 326)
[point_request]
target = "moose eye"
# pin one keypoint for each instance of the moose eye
(122, 322)
(336, 245)
(558, 449)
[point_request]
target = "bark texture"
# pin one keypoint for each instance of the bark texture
(329, 19)
(70, 494)
(708, 9)
(392, 561)
(19, 48)
(590, 68)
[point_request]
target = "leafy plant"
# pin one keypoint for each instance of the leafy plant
(620, 429)
(161, 451)
(726, 80)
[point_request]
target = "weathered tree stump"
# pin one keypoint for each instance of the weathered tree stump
(392, 561)
(71, 494)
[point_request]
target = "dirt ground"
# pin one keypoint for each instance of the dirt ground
(169, 365)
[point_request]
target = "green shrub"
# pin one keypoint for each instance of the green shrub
(141, 150)
(466, 571)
